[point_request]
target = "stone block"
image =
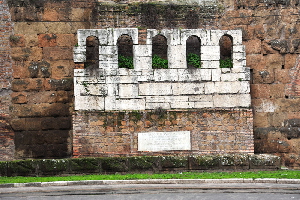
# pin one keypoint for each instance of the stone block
(142, 50)
(47, 40)
(165, 75)
(189, 75)
(277, 90)
(239, 56)
(155, 89)
(210, 53)
(290, 60)
(238, 49)
(79, 54)
(274, 61)
(260, 91)
(117, 32)
(253, 46)
(89, 103)
(157, 105)
(150, 34)
(146, 75)
(61, 69)
(111, 103)
(17, 40)
(59, 28)
(81, 72)
(282, 76)
(82, 34)
(209, 88)
(187, 88)
(255, 61)
(108, 50)
(216, 74)
(202, 34)
(128, 90)
(108, 65)
(57, 53)
(30, 28)
(162, 99)
(142, 63)
(206, 74)
(131, 104)
(19, 85)
(66, 40)
(172, 35)
(232, 77)
(176, 56)
(19, 97)
(229, 101)
(264, 105)
(207, 64)
(239, 63)
(182, 105)
(18, 124)
(108, 58)
(65, 84)
(204, 105)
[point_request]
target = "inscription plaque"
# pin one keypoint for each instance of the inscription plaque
(163, 141)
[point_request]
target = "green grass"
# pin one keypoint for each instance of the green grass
(287, 174)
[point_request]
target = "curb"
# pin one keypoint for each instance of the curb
(150, 181)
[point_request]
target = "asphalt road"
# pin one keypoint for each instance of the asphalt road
(211, 191)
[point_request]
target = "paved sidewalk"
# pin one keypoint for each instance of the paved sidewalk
(153, 181)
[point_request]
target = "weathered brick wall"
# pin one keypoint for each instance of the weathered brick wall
(213, 131)
(270, 34)
(6, 133)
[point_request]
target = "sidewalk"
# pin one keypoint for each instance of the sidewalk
(153, 181)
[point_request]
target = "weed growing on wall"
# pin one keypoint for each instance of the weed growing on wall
(125, 62)
(159, 63)
(226, 63)
(194, 60)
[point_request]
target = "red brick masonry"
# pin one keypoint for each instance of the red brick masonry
(213, 131)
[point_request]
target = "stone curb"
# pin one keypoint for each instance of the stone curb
(151, 181)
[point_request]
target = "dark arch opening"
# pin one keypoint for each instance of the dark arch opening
(92, 52)
(125, 51)
(226, 44)
(159, 52)
(193, 52)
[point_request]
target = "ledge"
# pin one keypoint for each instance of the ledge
(147, 164)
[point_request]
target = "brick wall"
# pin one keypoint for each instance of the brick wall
(215, 131)
(270, 34)
(6, 133)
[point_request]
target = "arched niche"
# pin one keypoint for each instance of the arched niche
(226, 44)
(92, 52)
(193, 52)
(159, 52)
(125, 51)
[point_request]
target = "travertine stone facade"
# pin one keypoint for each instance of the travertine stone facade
(144, 88)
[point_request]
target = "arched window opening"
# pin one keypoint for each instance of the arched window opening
(125, 52)
(92, 52)
(193, 52)
(226, 51)
(159, 52)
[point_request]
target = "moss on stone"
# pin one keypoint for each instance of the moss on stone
(114, 164)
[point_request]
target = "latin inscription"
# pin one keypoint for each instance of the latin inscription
(164, 141)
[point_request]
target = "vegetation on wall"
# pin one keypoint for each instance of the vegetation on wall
(226, 63)
(159, 63)
(125, 62)
(194, 60)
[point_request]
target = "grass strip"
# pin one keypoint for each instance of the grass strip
(287, 174)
